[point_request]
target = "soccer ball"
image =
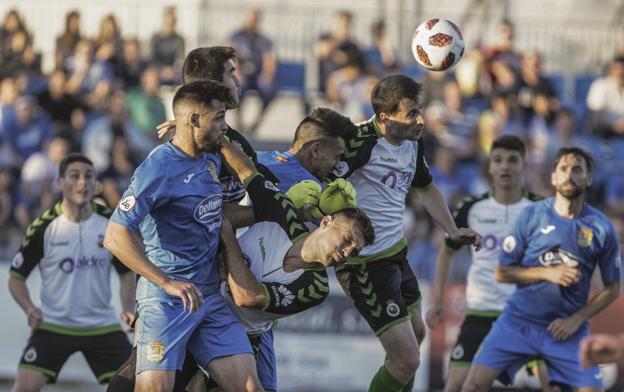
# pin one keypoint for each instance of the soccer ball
(437, 44)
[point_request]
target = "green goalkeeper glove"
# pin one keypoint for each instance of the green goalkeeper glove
(306, 192)
(338, 195)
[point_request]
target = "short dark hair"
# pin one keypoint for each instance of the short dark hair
(206, 63)
(389, 92)
(509, 142)
(361, 220)
(579, 152)
(71, 158)
(202, 92)
(329, 122)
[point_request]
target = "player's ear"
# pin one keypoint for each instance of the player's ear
(194, 121)
(553, 178)
(589, 179)
(315, 148)
(326, 220)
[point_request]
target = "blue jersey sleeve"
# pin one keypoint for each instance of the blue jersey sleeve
(610, 260)
(146, 191)
(514, 245)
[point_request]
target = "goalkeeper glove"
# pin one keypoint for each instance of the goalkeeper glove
(306, 192)
(338, 195)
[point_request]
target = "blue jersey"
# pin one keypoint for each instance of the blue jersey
(175, 202)
(286, 167)
(541, 237)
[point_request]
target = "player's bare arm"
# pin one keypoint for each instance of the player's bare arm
(435, 314)
(21, 295)
(126, 246)
(127, 288)
(563, 328)
(561, 274)
(237, 162)
(238, 215)
(435, 205)
(245, 288)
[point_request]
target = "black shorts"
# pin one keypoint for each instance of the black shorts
(473, 330)
(383, 291)
(47, 352)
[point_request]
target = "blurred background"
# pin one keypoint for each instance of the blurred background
(98, 76)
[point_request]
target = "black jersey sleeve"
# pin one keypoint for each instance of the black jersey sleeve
(358, 150)
(32, 248)
(422, 176)
(460, 215)
(270, 205)
(308, 290)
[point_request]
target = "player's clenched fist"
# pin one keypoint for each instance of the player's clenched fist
(467, 236)
(563, 274)
(338, 195)
(601, 348)
(306, 192)
(187, 292)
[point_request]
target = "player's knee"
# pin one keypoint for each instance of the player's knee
(406, 361)
(470, 385)
(420, 333)
(25, 386)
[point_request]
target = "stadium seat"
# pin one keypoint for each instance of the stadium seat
(581, 88)
(291, 77)
(558, 83)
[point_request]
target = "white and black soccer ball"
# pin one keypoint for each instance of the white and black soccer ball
(437, 44)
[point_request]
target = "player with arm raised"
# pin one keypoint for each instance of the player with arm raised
(303, 171)
(551, 255)
(277, 267)
(175, 201)
(383, 161)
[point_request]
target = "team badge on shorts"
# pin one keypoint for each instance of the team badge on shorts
(392, 309)
(30, 355)
(585, 236)
(212, 169)
(155, 351)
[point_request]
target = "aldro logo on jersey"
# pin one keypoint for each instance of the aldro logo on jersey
(393, 179)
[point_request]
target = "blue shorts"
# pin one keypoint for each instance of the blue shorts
(166, 330)
(266, 362)
(513, 341)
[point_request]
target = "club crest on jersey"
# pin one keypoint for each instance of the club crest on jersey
(127, 203)
(208, 209)
(155, 351)
(30, 355)
(212, 169)
(18, 260)
(585, 236)
(509, 244)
